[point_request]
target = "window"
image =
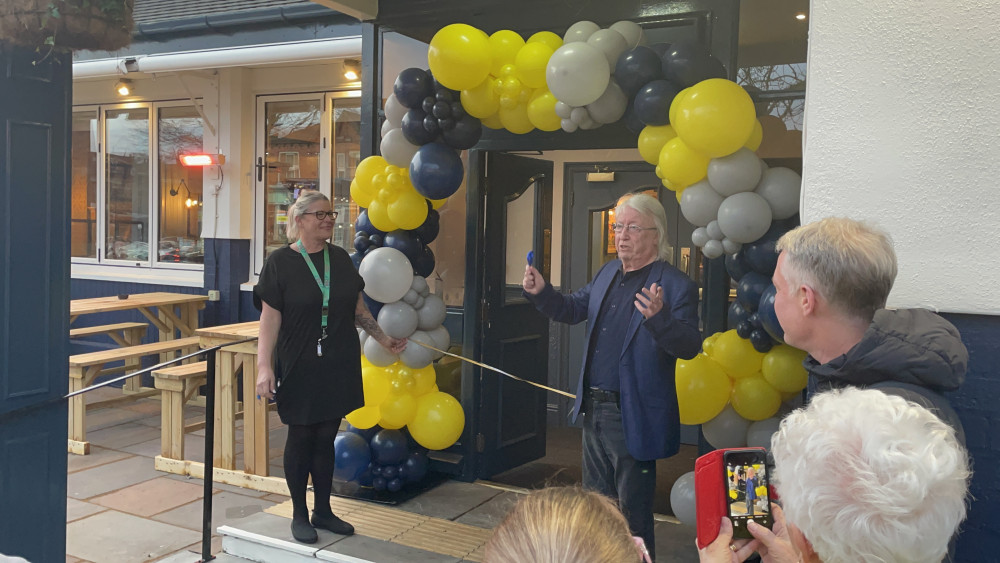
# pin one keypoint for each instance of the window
(115, 182)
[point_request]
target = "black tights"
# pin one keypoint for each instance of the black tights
(309, 450)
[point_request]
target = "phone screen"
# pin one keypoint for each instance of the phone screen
(746, 486)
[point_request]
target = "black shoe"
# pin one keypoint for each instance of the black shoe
(332, 523)
(303, 532)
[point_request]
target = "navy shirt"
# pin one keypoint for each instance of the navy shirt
(608, 337)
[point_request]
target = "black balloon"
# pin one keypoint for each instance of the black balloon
(637, 67)
(465, 134)
(428, 231)
(737, 314)
(416, 466)
(390, 471)
(428, 104)
(737, 266)
(761, 341)
(446, 124)
(687, 63)
(405, 242)
(424, 264)
(749, 289)
(412, 86)
(744, 329)
(413, 127)
(457, 111)
(652, 102)
(632, 121)
(431, 126)
(377, 239)
(441, 110)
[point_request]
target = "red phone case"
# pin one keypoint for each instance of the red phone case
(710, 497)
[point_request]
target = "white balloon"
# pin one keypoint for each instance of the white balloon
(726, 430)
(394, 111)
(564, 110)
(396, 150)
(580, 31)
(714, 232)
(579, 115)
(577, 74)
(731, 247)
(744, 217)
(631, 31)
(759, 433)
(419, 284)
(700, 236)
(387, 274)
(432, 314)
(713, 249)
(568, 125)
(379, 355)
(611, 106)
(397, 319)
(610, 42)
(781, 187)
(700, 204)
(682, 499)
(736, 173)
(386, 127)
(414, 355)
(362, 337)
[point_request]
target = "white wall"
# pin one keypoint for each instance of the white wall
(903, 129)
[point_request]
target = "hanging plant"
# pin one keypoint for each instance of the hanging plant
(67, 25)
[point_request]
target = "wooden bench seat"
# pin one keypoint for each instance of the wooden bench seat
(177, 384)
(123, 334)
(85, 368)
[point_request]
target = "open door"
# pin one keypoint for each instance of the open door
(516, 216)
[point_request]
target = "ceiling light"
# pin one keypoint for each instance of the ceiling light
(352, 69)
(123, 87)
(800, 16)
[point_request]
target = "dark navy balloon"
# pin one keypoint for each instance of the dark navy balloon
(405, 242)
(364, 225)
(652, 102)
(388, 447)
(352, 456)
(436, 171)
(379, 483)
(428, 231)
(416, 466)
(761, 341)
(366, 433)
(394, 485)
(424, 264)
(356, 259)
(762, 254)
(412, 86)
(632, 121)
(365, 479)
(749, 289)
(361, 242)
(390, 471)
(768, 318)
(737, 314)
(413, 127)
(637, 67)
(744, 329)
(465, 133)
(687, 63)
(373, 306)
(737, 266)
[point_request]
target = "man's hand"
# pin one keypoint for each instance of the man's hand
(650, 301)
(775, 545)
(724, 549)
(265, 381)
(394, 345)
(533, 282)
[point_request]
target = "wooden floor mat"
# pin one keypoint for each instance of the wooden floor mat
(405, 528)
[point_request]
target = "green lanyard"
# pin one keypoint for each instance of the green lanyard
(324, 287)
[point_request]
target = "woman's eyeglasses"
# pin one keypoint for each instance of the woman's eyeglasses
(632, 229)
(320, 215)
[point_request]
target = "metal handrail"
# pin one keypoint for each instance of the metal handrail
(206, 524)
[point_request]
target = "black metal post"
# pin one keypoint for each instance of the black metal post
(206, 525)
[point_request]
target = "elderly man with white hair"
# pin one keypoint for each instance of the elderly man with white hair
(862, 476)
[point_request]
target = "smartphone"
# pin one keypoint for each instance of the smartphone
(747, 490)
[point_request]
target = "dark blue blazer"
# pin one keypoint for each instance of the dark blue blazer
(651, 348)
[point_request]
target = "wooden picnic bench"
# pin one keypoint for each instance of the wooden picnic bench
(85, 368)
(177, 384)
(123, 334)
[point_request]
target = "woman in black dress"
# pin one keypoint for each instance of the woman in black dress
(318, 354)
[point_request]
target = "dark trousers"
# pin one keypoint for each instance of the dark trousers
(609, 469)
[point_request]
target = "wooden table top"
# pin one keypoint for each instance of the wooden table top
(238, 331)
(135, 301)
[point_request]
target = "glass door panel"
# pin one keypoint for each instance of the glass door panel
(83, 190)
(127, 182)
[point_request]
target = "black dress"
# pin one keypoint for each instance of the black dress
(311, 388)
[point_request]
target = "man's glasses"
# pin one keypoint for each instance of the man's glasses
(320, 215)
(632, 229)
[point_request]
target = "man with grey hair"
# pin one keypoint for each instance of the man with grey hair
(642, 315)
(833, 279)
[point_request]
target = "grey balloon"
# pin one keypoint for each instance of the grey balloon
(580, 31)
(611, 106)
(419, 284)
(682, 499)
(631, 31)
(394, 111)
(411, 296)
(396, 150)
(415, 355)
(378, 355)
(700, 204)
(419, 302)
(610, 42)
(441, 339)
(362, 337)
(564, 110)
(714, 232)
(432, 314)
(731, 247)
(781, 187)
(397, 319)
(386, 127)
(713, 249)
(759, 433)
(568, 125)
(744, 217)
(726, 430)
(736, 173)
(700, 236)
(579, 115)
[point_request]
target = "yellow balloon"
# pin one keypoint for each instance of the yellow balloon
(681, 165)
(504, 46)
(378, 214)
(672, 112)
(481, 100)
(542, 111)
(369, 167)
(716, 118)
(459, 56)
(709, 343)
(493, 121)
(438, 203)
(756, 137)
(679, 194)
(703, 389)
(439, 421)
(364, 364)
(755, 399)
(361, 196)
(651, 141)
(516, 119)
(424, 380)
(783, 369)
(732, 495)
(375, 384)
(531, 61)
(547, 37)
(397, 410)
(364, 418)
(736, 355)
(409, 210)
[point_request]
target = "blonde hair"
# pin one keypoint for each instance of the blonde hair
(850, 263)
(651, 207)
(562, 525)
(306, 198)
